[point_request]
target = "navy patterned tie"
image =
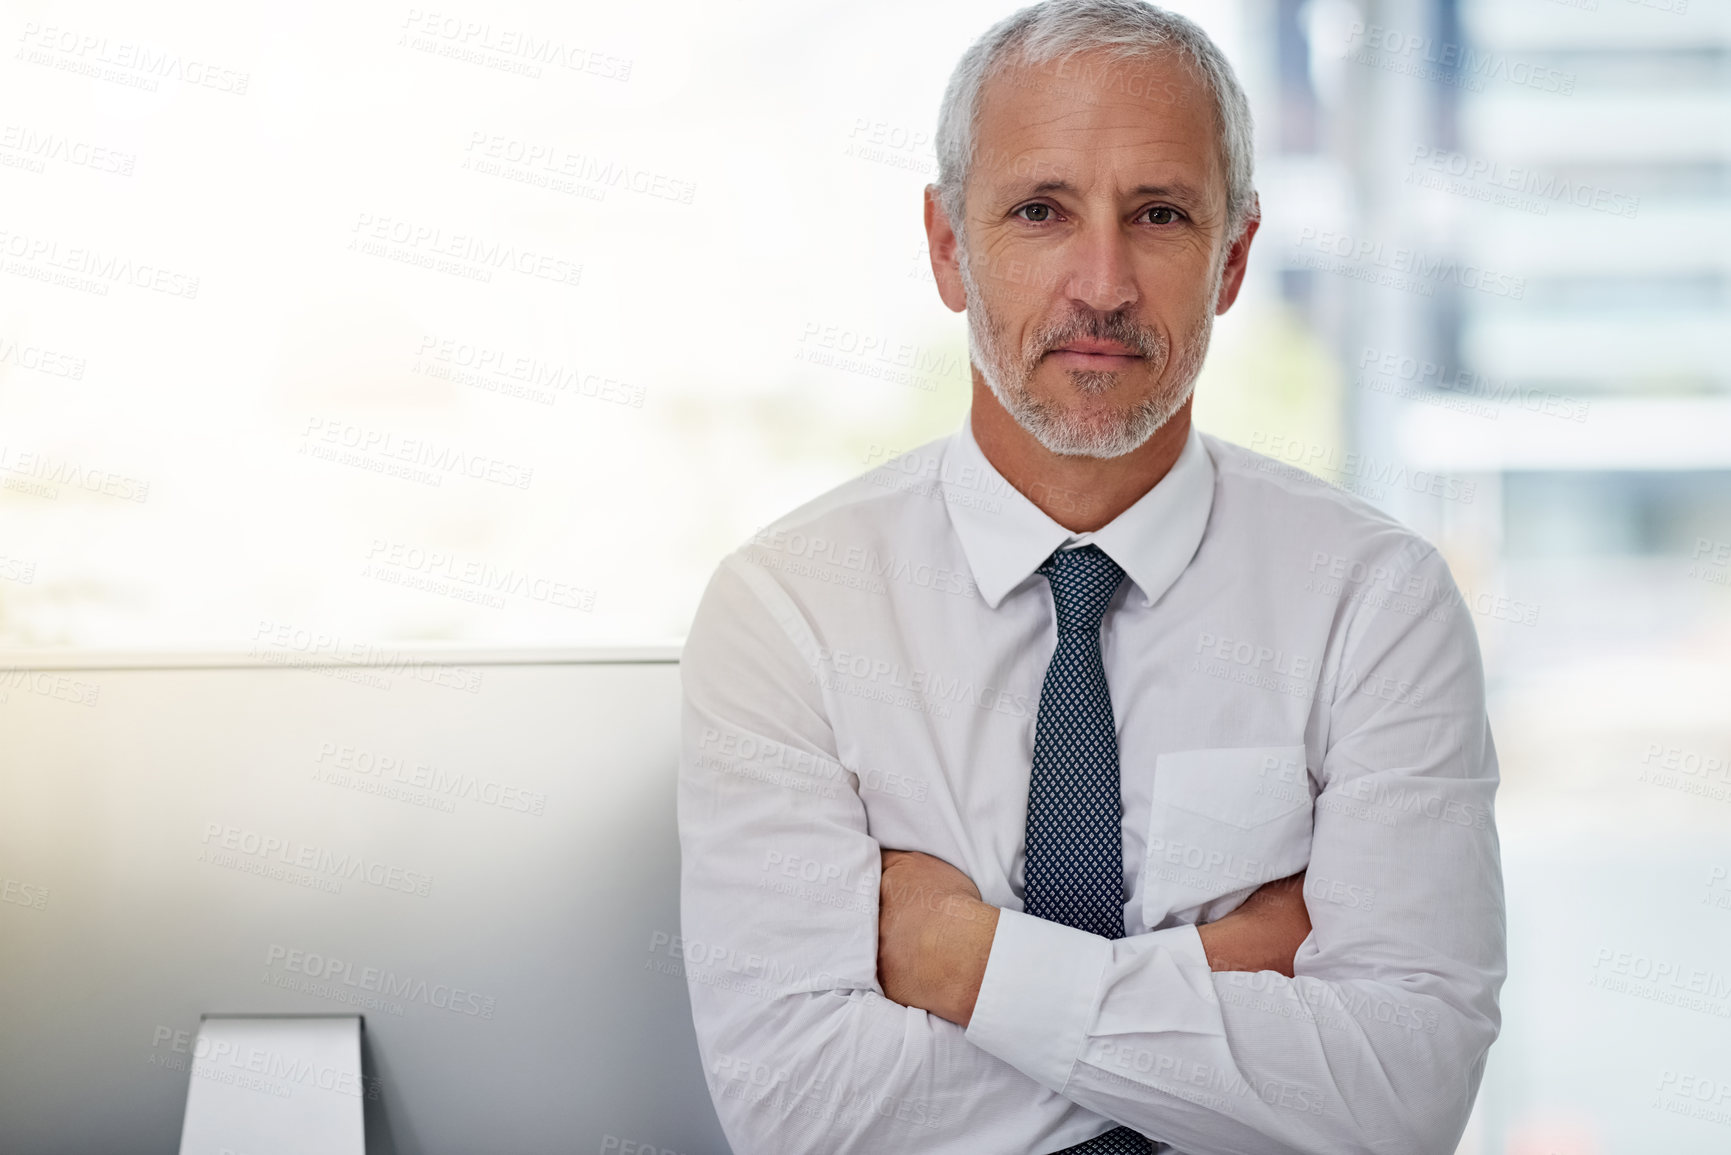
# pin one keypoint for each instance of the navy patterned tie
(1075, 870)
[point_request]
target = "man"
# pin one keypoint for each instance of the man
(993, 756)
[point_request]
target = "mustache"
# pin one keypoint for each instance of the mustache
(1116, 326)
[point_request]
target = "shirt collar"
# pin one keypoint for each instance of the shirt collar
(1006, 537)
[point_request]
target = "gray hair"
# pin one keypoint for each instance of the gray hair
(1057, 29)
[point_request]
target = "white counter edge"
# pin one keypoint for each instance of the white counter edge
(371, 654)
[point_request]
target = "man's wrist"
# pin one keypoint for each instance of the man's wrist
(968, 950)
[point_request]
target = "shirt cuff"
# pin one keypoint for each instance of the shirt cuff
(1037, 996)
(1158, 982)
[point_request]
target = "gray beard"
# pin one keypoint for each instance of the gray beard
(1062, 432)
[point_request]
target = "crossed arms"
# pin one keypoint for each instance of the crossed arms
(935, 933)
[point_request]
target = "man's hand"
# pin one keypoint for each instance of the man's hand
(1264, 932)
(934, 935)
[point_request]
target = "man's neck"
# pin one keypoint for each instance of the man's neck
(1079, 493)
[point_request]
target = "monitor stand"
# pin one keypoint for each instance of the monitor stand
(276, 1085)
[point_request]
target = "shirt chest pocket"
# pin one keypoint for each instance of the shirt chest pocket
(1223, 822)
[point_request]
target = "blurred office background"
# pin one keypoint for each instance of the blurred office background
(366, 326)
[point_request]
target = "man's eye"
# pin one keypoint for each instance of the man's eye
(1039, 214)
(1170, 218)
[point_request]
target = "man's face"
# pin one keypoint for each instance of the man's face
(1095, 247)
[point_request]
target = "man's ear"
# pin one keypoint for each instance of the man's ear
(1238, 259)
(942, 245)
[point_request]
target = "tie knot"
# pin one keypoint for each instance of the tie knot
(1083, 581)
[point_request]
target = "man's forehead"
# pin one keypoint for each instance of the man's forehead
(1145, 164)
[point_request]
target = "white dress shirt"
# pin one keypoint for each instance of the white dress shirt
(1295, 683)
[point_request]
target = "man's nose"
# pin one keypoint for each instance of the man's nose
(1099, 273)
